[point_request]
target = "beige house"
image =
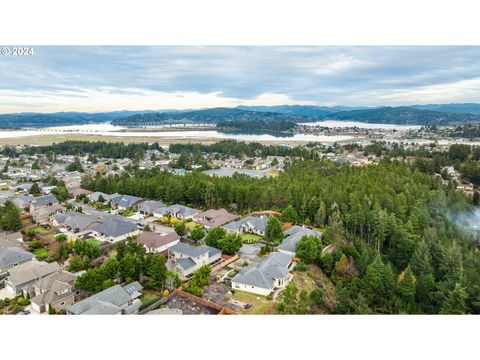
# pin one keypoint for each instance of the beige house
(55, 290)
(186, 259)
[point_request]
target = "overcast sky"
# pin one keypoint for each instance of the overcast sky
(141, 78)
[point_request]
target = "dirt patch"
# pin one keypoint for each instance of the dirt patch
(188, 307)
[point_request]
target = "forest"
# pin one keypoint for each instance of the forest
(255, 125)
(397, 249)
(97, 148)
(240, 149)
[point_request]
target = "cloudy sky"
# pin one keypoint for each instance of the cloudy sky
(140, 78)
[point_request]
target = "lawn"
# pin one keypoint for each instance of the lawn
(148, 298)
(41, 253)
(251, 238)
(259, 303)
(38, 230)
(94, 241)
(191, 225)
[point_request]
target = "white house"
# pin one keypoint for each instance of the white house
(270, 274)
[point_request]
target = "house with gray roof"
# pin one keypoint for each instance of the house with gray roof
(177, 211)
(214, 218)
(23, 201)
(96, 195)
(13, 256)
(27, 273)
(116, 300)
(114, 230)
(56, 290)
(124, 202)
(293, 236)
(74, 224)
(148, 207)
(43, 214)
(250, 224)
(11, 239)
(270, 274)
(185, 259)
(43, 202)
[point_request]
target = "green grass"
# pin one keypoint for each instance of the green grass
(148, 298)
(250, 238)
(42, 253)
(37, 230)
(128, 212)
(191, 225)
(259, 303)
(94, 241)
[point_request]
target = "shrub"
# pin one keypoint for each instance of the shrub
(269, 297)
(301, 266)
(22, 301)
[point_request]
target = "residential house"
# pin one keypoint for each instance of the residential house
(75, 191)
(270, 274)
(13, 256)
(11, 239)
(56, 290)
(176, 211)
(23, 201)
(114, 230)
(124, 202)
(28, 273)
(250, 224)
(43, 202)
(155, 242)
(95, 196)
(116, 300)
(214, 218)
(293, 236)
(43, 214)
(75, 224)
(186, 259)
(148, 207)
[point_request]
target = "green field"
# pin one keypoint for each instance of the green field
(41, 252)
(94, 241)
(259, 303)
(251, 238)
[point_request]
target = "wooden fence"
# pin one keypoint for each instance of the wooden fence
(224, 263)
(222, 310)
(157, 304)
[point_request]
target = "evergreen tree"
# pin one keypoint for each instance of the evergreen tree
(455, 301)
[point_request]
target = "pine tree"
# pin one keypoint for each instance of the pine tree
(455, 301)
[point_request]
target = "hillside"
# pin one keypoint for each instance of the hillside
(452, 108)
(404, 115)
(214, 115)
(316, 112)
(39, 120)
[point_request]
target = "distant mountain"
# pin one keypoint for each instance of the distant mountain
(39, 120)
(316, 112)
(214, 115)
(451, 108)
(404, 115)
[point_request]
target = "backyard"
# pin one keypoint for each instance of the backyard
(259, 303)
(251, 238)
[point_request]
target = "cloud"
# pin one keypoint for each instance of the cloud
(109, 99)
(83, 78)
